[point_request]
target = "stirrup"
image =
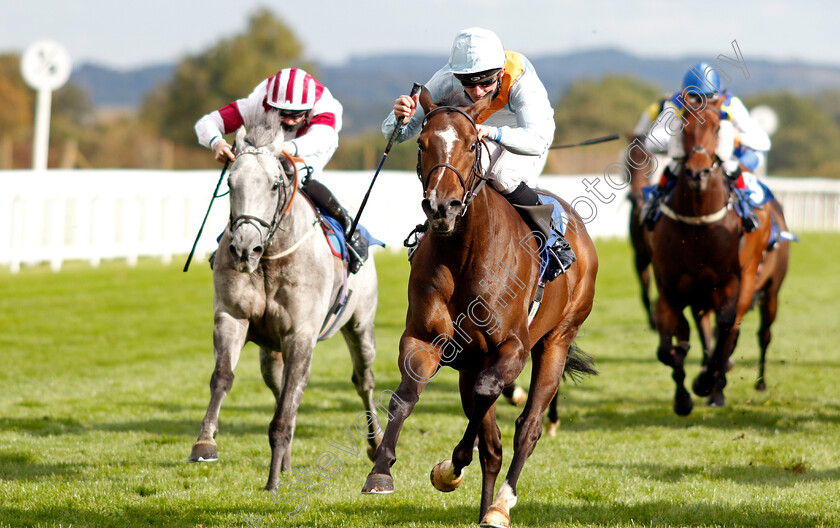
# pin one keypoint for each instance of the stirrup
(417, 232)
(357, 251)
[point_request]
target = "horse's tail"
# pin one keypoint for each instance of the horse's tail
(578, 364)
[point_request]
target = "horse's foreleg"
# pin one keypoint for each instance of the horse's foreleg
(549, 359)
(669, 322)
(297, 356)
(362, 345)
(769, 304)
(711, 380)
(418, 363)
(229, 337)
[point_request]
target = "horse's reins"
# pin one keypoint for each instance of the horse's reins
(284, 203)
(476, 180)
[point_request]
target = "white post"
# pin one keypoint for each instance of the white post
(41, 141)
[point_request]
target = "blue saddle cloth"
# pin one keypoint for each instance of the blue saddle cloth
(559, 223)
(337, 241)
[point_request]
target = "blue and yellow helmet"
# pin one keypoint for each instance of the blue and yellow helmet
(702, 78)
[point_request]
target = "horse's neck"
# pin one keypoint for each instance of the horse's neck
(688, 202)
(484, 226)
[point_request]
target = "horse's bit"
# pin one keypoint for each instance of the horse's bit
(476, 179)
(277, 219)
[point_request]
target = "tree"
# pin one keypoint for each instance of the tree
(224, 73)
(806, 141)
(592, 108)
(16, 117)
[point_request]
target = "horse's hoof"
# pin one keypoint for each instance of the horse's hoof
(716, 400)
(496, 518)
(702, 385)
(552, 428)
(371, 452)
(760, 386)
(683, 407)
(518, 398)
(204, 451)
(378, 484)
(443, 476)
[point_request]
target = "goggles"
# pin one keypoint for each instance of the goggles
(486, 83)
(293, 114)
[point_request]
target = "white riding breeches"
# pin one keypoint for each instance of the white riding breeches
(505, 170)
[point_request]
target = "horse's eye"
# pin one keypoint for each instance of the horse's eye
(420, 145)
(275, 186)
(472, 147)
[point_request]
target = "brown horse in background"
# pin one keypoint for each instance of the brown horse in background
(702, 259)
(472, 281)
(642, 165)
(771, 274)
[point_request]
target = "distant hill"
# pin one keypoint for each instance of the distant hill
(109, 87)
(367, 86)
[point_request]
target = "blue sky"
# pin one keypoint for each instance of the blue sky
(131, 34)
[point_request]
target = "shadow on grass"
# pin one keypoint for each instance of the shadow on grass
(753, 474)
(16, 465)
(537, 513)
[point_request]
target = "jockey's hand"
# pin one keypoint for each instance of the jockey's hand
(404, 107)
(223, 151)
(483, 131)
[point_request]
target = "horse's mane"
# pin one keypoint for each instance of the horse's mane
(264, 132)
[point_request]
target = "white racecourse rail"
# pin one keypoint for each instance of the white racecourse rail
(56, 215)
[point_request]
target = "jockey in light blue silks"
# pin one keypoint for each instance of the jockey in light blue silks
(750, 141)
(517, 128)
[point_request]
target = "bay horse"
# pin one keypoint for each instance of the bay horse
(702, 258)
(472, 280)
(642, 165)
(275, 280)
(638, 160)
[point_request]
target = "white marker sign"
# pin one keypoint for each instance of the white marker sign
(45, 66)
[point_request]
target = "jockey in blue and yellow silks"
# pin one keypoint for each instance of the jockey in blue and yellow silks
(751, 141)
(518, 127)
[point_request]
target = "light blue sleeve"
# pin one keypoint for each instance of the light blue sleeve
(441, 83)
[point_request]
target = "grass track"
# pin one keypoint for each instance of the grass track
(105, 379)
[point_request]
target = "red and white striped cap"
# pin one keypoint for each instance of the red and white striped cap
(291, 89)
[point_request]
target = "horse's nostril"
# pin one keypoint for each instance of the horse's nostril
(232, 250)
(258, 249)
(455, 204)
(426, 204)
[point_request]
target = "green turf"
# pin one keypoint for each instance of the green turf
(105, 375)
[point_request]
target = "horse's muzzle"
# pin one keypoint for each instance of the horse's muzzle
(441, 214)
(246, 250)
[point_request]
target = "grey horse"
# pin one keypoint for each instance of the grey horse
(275, 281)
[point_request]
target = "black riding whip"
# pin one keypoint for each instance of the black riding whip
(414, 90)
(200, 229)
(593, 141)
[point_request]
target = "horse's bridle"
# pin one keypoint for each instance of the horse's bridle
(284, 201)
(476, 180)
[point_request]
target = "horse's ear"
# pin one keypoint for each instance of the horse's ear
(240, 137)
(476, 109)
(426, 100)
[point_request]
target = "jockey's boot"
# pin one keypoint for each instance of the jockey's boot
(527, 203)
(357, 244)
(749, 220)
(650, 210)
